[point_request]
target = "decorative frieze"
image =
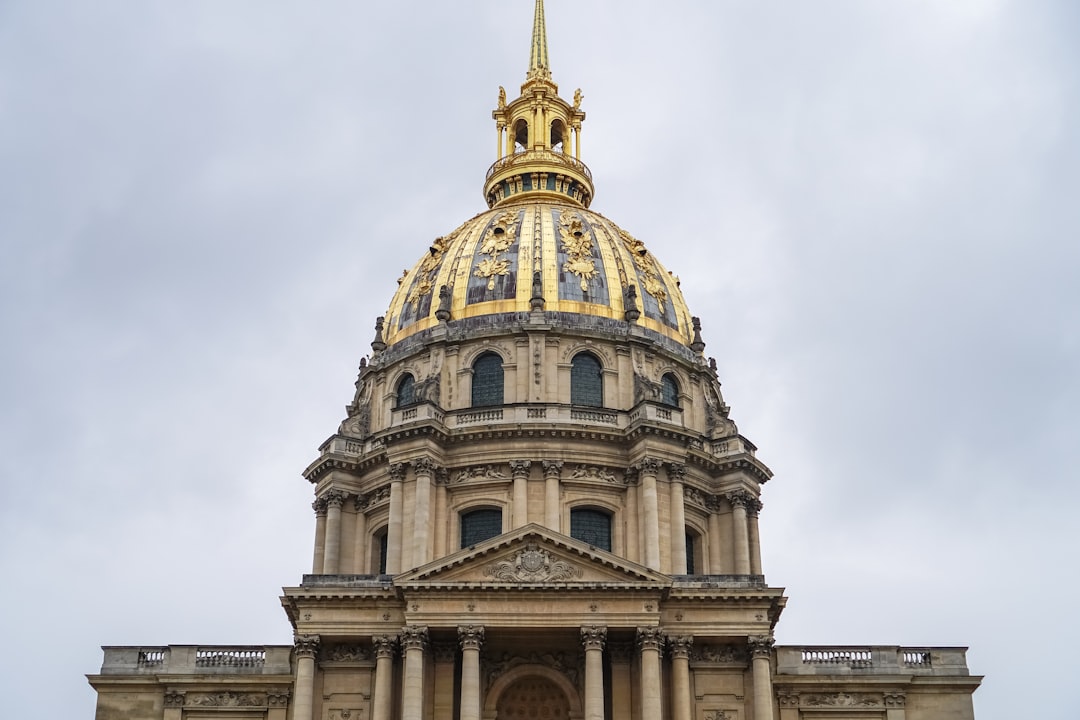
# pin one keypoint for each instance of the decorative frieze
(592, 472)
(486, 472)
(842, 699)
(346, 653)
(226, 699)
(728, 654)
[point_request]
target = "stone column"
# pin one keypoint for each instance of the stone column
(361, 551)
(382, 704)
(761, 652)
(425, 469)
(752, 511)
(277, 705)
(441, 479)
(393, 529)
(174, 705)
(650, 641)
(305, 649)
(716, 563)
(621, 689)
(741, 534)
(677, 473)
(471, 638)
(414, 639)
(332, 557)
(319, 506)
(552, 511)
(681, 700)
(520, 471)
(633, 537)
(649, 467)
(895, 705)
(592, 637)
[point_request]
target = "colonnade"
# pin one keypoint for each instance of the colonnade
(645, 536)
(414, 643)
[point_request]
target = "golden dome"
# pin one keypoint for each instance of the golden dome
(539, 247)
(538, 255)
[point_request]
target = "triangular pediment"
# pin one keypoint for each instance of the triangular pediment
(532, 557)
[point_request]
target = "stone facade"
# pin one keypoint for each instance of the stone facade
(537, 505)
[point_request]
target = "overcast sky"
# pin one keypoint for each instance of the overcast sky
(873, 206)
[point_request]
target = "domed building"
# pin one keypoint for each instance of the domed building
(537, 506)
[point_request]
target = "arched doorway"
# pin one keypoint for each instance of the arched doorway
(533, 698)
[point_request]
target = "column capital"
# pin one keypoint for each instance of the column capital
(786, 698)
(760, 646)
(384, 645)
(649, 466)
(552, 469)
(277, 698)
(397, 472)
(471, 637)
(650, 638)
(680, 646)
(334, 499)
(425, 466)
(739, 499)
(520, 468)
(593, 636)
(631, 475)
(414, 637)
(306, 646)
(895, 699)
(676, 472)
(174, 699)
(319, 506)
(753, 507)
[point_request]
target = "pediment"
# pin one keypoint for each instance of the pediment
(532, 557)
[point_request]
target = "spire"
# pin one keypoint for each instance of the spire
(538, 53)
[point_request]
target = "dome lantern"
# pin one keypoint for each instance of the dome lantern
(538, 148)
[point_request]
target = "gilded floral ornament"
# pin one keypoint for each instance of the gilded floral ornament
(577, 242)
(646, 268)
(499, 238)
(431, 262)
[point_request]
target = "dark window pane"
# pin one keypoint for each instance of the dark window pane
(591, 526)
(586, 382)
(480, 525)
(669, 391)
(381, 538)
(405, 390)
(487, 381)
(690, 555)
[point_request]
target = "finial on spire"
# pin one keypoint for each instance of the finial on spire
(538, 53)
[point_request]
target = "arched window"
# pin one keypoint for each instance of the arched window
(669, 390)
(406, 390)
(480, 525)
(487, 380)
(586, 381)
(591, 526)
(558, 136)
(521, 136)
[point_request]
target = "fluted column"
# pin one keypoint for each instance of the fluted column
(680, 676)
(393, 528)
(520, 471)
(552, 511)
(361, 551)
(648, 468)
(319, 506)
(383, 701)
(633, 537)
(332, 557)
(761, 652)
(471, 638)
(677, 473)
(425, 469)
(716, 563)
(304, 649)
(752, 510)
(650, 642)
(414, 639)
(592, 637)
(741, 534)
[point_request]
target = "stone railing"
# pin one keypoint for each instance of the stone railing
(870, 659)
(203, 659)
(340, 581)
(711, 582)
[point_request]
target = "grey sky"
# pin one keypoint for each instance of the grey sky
(872, 206)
